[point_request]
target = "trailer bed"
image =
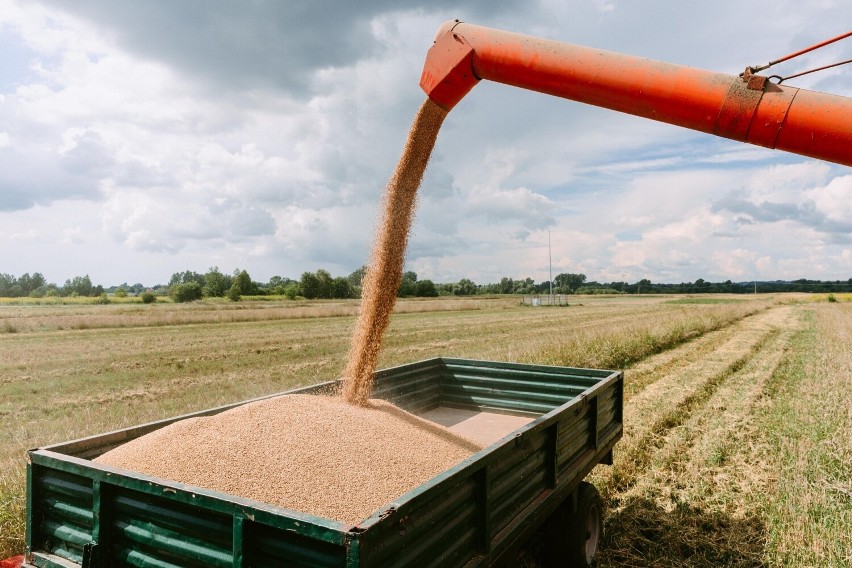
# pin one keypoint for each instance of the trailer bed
(84, 514)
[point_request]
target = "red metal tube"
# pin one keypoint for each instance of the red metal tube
(749, 109)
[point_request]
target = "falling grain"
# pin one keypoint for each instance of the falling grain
(384, 274)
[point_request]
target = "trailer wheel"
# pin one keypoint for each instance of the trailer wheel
(573, 535)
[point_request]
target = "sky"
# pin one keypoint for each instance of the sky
(140, 139)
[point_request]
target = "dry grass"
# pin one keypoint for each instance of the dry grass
(57, 317)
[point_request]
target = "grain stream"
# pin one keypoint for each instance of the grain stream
(384, 274)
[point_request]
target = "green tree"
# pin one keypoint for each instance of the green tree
(216, 284)
(185, 278)
(342, 288)
(278, 285)
(148, 297)
(187, 292)
(567, 283)
(234, 293)
(120, 293)
(445, 289)
(525, 286)
(465, 287)
(407, 286)
(425, 289)
(309, 285)
(30, 283)
(24, 281)
(291, 291)
(244, 285)
(325, 283)
(356, 279)
(6, 282)
(506, 286)
(38, 281)
(80, 285)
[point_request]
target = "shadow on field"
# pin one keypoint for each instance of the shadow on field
(644, 534)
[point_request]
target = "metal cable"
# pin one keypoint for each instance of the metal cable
(782, 79)
(800, 52)
(749, 71)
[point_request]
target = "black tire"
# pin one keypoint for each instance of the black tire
(573, 536)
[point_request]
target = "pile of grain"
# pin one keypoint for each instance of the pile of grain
(384, 275)
(314, 454)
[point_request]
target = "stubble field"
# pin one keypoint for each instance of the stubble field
(738, 413)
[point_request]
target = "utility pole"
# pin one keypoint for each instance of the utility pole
(550, 265)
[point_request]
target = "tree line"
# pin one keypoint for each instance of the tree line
(320, 284)
(36, 286)
(190, 285)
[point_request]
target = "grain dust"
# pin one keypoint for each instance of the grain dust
(309, 453)
(384, 275)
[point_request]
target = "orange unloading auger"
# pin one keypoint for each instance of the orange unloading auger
(749, 108)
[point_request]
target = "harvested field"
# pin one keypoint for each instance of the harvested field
(716, 469)
(676, 475)
(313, 454)
(57, 316)
(736, 450)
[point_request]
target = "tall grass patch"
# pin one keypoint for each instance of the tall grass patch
(618, 346)
(13, 506)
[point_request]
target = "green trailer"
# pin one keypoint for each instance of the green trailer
(478, 513)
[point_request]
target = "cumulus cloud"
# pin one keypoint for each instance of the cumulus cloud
(29, 176)
(240, 47)
(834, 201)
(801, 193)
(267, 132)
(529, 209)
(156, 222)
(335, 237)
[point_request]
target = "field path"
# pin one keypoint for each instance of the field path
(678, 492)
